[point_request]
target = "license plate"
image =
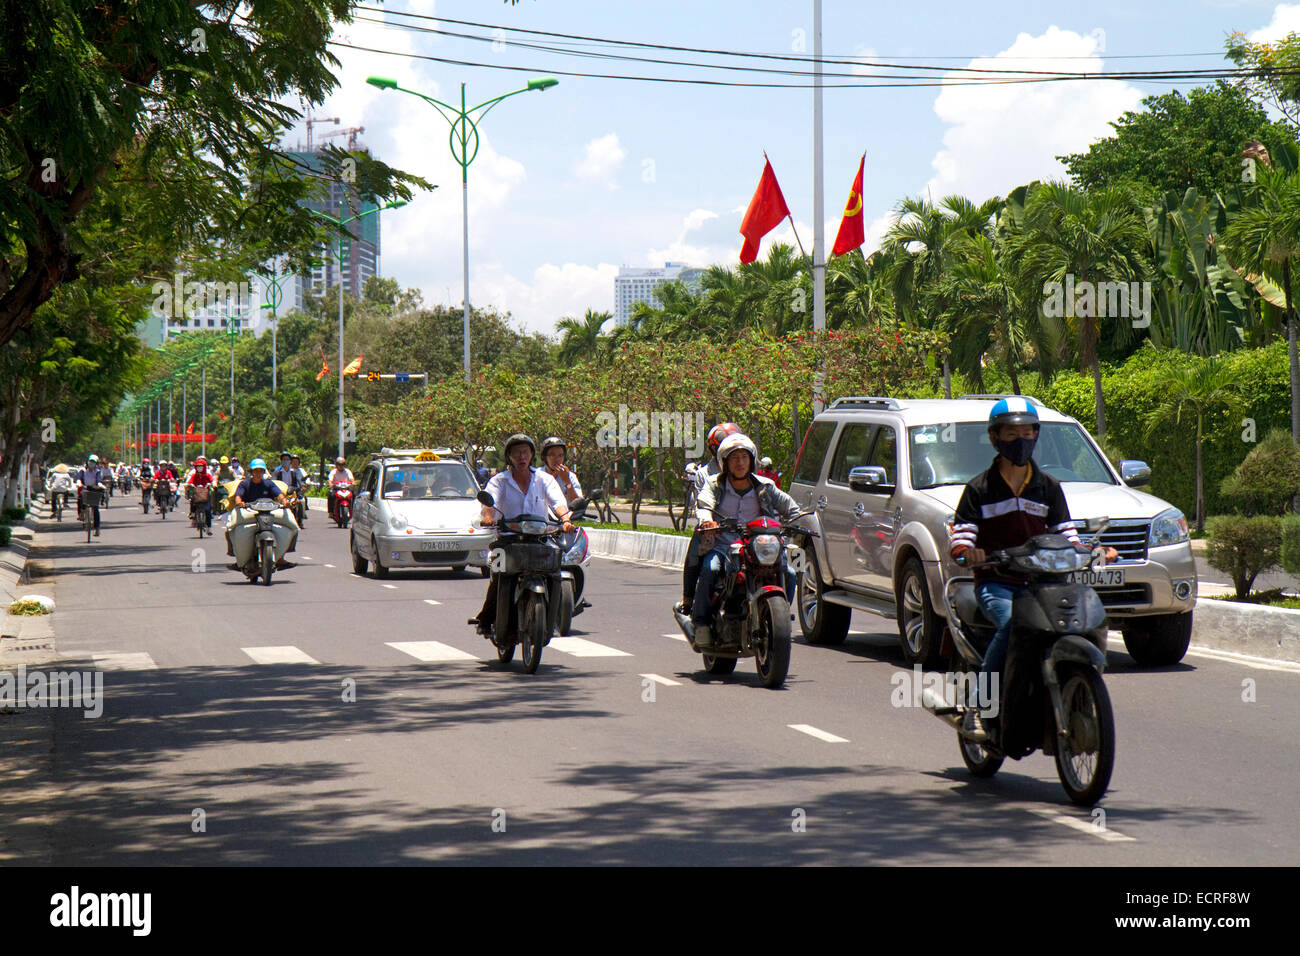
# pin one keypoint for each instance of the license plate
(1106, 577)
(441, 546)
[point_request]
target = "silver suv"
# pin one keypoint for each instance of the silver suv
(881, 478)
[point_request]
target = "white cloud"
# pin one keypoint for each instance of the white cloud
(1286, 19)
(552, 292)
(705, 250)
(601, 159)
(1001, 137)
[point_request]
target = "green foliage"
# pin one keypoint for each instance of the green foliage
(1269, 476)
(13, 515)
(1290, 554)
(6, 533)
(1244, 548)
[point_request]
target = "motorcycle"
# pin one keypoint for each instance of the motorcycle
(572, 575)
(164, 494)
(124, 483)
(146, 492)
(200, 510)
(297, 505)
(750, 612)
(527, 556)
(260, 545)
(1052, 695)
(342, 502)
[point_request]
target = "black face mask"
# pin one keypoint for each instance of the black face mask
(1017, 451)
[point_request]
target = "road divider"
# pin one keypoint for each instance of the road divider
(639, 547)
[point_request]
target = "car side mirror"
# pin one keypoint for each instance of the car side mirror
(1134, 472)
(870, 479)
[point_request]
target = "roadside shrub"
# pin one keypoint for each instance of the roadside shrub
(1268, 478)
(13, 515)
(1244, 548)
(1291, 544)
(5, 533)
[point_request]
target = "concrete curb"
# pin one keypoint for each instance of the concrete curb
(639, 547)
(13, 559)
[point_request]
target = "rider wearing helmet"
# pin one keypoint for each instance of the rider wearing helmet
(338, 473)
(700, 474)
(200, 477)
(258, 485)
(739, 493)
(1003, 508)
(224, 472)
(518, 489)
(481, 473)
(554, 451)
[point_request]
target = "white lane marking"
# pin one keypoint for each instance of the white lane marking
(662, 680)
(432, 601)
(305, 558)
(676, 637)
(1232, 657)
(431, 651)
(124, 661)
(286, 654)
(329, 565)
(391, 587)
(582, 648)
(812, 731)
(1110, 836)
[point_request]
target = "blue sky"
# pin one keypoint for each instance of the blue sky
(573, 182)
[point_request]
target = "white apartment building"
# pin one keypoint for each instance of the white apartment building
(638, 285)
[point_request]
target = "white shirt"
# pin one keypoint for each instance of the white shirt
(340, 474)
(543, 494)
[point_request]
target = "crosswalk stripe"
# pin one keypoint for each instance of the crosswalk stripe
(812, 731)
(431, 651)
(124, 661)
(286, 654)
(583, 648)
(662, 680)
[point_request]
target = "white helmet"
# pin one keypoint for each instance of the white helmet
(730, 444)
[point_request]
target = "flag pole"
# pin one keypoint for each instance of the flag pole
(796, 235)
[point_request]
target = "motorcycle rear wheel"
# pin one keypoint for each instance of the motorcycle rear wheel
(719, 666)
(772, 648)
(978, 761)
(1086, 756)
(505, 654)
(532, 631)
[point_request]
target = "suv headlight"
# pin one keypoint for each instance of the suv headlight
(767, 548)
(1168, 527)
(397, 522)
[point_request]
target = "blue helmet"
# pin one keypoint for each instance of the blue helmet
(256, 463)
(1014, 410)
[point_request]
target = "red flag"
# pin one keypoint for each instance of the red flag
(223, 415)
(765, 212)
(190, 430)
(117, 448)
(852, 233)
(324, 367)
(354, 366)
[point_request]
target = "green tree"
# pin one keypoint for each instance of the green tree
(581, 337)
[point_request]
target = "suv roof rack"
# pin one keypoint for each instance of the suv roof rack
(865, 401)
(994, 398)
(387, 452)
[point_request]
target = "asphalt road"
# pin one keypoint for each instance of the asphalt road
(203, 755)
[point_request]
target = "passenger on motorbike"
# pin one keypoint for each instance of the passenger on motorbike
(519, 489)
(1003, 508)
(700, 474)
(554, 452)
(256, 486)
(739, 493)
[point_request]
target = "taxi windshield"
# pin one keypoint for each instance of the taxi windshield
(429, 480)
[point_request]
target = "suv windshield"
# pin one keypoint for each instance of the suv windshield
(428, 479)
(1063, 451)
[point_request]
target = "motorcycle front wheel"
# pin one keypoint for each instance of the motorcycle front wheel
(268, 562)
(978, 761)
(505, 654)
(565, 618)
(772, 645)
(532, 631)
(1085, 757)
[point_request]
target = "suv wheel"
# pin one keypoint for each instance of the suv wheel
(822, 623)
(919, 629)
(1158, 640)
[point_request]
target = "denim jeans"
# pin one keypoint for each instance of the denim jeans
(995, 601)
(711, 565)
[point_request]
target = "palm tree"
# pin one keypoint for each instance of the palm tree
(1092, 236)
(581, 337)
(983, 311)
(1197, 389)
(1265, 238)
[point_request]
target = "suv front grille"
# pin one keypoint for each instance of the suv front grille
(1129, 595)
(1128, 537)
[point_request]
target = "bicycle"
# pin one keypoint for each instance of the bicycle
(91, 498)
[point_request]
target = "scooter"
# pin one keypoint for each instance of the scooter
(750, 612)
(200, 509)
(1052, 695)
(573, 577)
(342, 503)
(259, 545)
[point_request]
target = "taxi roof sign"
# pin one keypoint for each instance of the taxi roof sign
(428, 456)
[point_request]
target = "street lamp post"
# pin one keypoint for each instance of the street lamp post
(340, 222)
(275, 294)
(464, 128)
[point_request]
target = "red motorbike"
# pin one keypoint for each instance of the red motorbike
(750, 612)
(342, 502)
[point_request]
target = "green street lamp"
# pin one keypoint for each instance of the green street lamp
(275, 294)
(464, 142)
(339, 223)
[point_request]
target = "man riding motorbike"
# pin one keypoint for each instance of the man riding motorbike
(339, 473)
(200, 477)
(739, 493)
(1004, 507)
(700, 474)
(257, 485)
(290, 475)
(519, 489)
(554, 452)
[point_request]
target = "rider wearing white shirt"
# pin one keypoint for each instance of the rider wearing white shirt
(338, 473)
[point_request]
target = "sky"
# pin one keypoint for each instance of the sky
(572, 182)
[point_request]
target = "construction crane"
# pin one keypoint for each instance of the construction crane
(316, 121)
(351, 132)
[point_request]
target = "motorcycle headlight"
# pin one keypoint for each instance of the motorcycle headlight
(767, 548)
(578, 552)
(532, 527)
(1168, 527)
(397, 522)
(1057, 560)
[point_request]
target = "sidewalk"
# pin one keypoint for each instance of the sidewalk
(24, 639)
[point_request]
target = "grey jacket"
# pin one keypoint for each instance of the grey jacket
(771, 499)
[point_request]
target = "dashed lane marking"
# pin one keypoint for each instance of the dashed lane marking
(432, 601)
(676, 637)
(583, 648)
(812, 731)
(1074, 823)
(431, 651)
(391, 587)
(662, 680)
